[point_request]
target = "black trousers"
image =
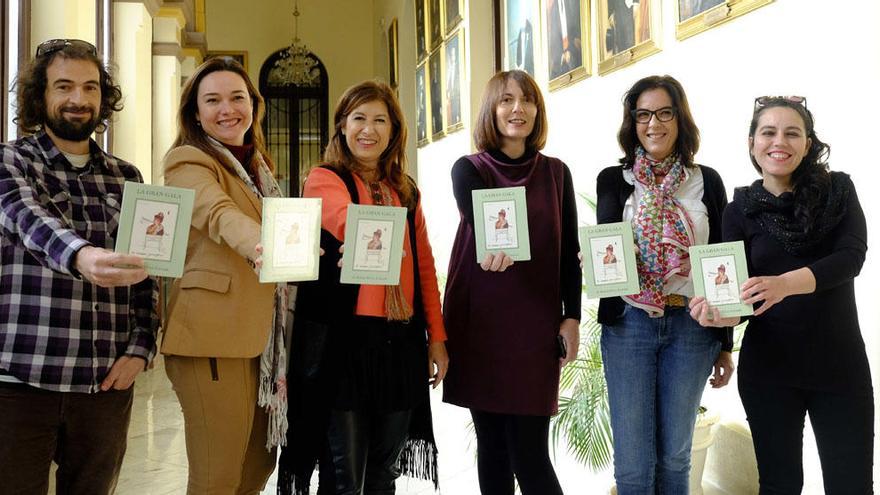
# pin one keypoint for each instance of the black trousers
(511, 446)
(363, 450)
(844, 429)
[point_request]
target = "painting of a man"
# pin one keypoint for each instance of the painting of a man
(564, 36)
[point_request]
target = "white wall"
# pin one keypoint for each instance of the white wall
(808, 48)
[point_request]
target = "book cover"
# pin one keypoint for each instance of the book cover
(609, 260)
(291, 237)
(501, 222)
(373, 244)
(718, 272)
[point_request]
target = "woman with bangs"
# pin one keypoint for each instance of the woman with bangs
(506, 363)
(364, 355)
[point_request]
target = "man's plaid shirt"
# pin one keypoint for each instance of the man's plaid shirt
(58, 331)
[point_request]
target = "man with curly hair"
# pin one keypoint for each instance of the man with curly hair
(77, 321)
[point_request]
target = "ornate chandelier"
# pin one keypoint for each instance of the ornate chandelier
(296, 66)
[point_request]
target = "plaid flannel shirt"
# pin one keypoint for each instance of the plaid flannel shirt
(58, 331)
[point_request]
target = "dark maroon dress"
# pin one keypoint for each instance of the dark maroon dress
(502, 327)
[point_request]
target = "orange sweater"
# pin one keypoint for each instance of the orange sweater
(325, 184)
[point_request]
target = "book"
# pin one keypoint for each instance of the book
(291, 238)
(154, 224)
(609, 260)
(373, 244)
(718, 272)
(501, 222)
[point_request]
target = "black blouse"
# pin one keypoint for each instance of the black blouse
(810, 341)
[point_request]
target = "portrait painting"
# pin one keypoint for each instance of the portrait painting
(696, 16)
(720, 280)
(453, 71)
(500, 224)
(627, 30)
(567, 41)
(393, 68)
(421, 106)
(519, 21)
(435, 90)
(609, 264)
(421, 32)
(152, 233)
(373, 245)
(452, 14)
(435, 19)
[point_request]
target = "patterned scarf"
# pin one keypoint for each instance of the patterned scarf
(272, 394)
(662, 230)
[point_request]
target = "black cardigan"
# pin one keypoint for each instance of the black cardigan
(612, 191)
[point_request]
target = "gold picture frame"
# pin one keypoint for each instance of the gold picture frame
(423, 137)
(626, 34)
(567, 28)
(421, 31)
(694, 17)
(452, 14)
(435, 94)
(453, 69)
(240, 56)
(393, 64)
(435, 23)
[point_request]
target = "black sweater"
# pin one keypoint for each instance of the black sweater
(612, 191)
(809, 341)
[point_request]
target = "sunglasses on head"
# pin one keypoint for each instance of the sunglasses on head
(51, 46)
(763, 101)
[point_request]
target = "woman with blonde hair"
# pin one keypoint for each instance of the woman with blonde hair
(365, 354)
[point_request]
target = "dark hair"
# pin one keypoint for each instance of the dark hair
(189, 132)
(31, 82)
(811, 180)
(688, 141)
(486, 135)
(392, 162)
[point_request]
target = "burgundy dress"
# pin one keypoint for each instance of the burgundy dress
(502, 327)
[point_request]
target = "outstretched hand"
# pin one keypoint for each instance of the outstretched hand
(109, 269)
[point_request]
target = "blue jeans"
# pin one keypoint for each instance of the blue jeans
(656, 370)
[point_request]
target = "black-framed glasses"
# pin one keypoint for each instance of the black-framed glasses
(643, 115)
(51, 46)
(763, 101)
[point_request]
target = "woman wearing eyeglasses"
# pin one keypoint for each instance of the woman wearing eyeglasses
(656, 357)
(805, 240)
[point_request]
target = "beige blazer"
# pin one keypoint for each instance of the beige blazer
(218, 308)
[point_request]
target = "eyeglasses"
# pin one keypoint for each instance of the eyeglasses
(643, 116)
(763, 101)
(52, 46)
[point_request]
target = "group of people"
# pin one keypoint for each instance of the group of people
(350, 394)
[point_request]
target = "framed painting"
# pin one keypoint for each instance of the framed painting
(435, 22)
(393, 67)
(454, 64)
(435, 93)
(696, 16)
(422, 137)
(518, 28)
(568, 41)
(421, 32)
(628, 32)
(452, 14)
(239, 56)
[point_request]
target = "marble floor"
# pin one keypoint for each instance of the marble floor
(155, 462)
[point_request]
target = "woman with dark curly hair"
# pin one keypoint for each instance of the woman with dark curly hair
(656, 357)
(805, 238)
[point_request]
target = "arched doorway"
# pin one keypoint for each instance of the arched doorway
(296, 120)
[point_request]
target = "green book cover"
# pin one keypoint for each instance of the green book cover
(154, 224)
(718, 272)
(609, 260)
(291, 238)
(501, 222)
(373, 245)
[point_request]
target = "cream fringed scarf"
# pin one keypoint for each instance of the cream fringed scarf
(272, 394)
